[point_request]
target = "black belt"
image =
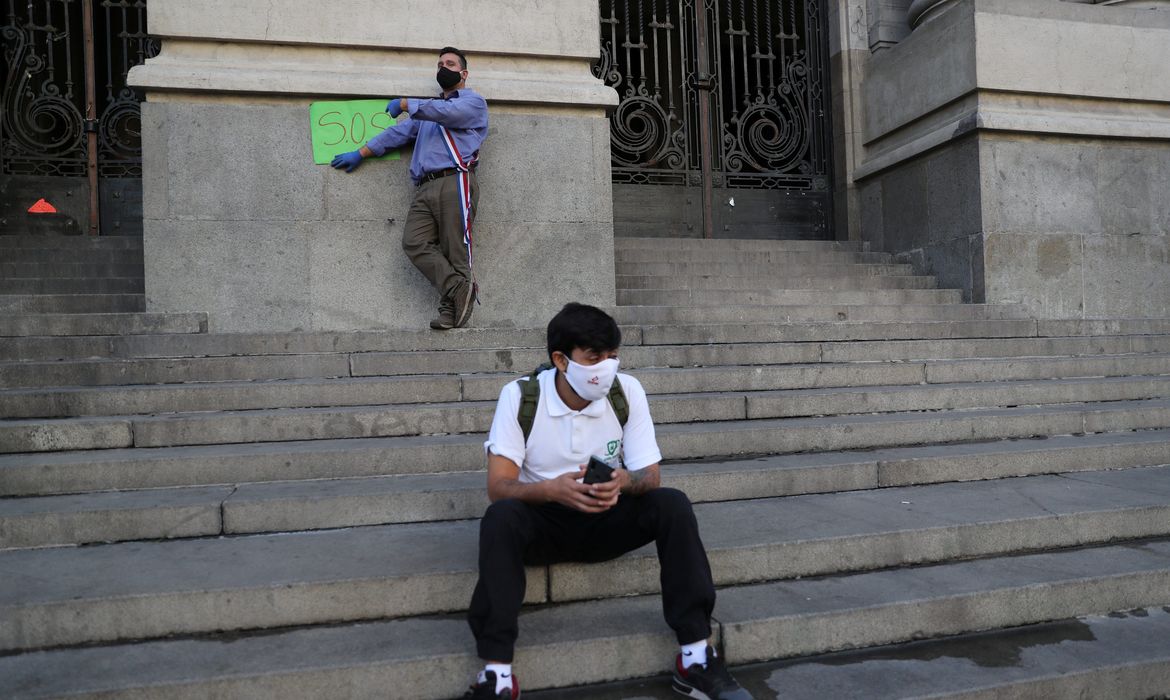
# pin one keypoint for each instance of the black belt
(436, 174)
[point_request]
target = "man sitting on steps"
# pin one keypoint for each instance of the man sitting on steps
(542, 513)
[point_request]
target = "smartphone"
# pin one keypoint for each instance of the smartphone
(597, 471)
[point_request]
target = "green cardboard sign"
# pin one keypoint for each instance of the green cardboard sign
(338, 127)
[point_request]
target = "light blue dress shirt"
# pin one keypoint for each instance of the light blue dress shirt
(465, 115)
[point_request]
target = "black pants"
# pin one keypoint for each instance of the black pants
(513, 533)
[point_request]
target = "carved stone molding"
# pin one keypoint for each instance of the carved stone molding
(886, 23)
(922, 11)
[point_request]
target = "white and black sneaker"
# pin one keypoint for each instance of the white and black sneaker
(709, 682)
(485, 688)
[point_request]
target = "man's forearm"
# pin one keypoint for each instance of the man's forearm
(514, 488)
(641, 481)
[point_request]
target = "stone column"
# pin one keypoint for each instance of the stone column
(1020, 150)
(240, 223)
(849, 51)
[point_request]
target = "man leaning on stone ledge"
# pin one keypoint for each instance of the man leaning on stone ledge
(447, 133)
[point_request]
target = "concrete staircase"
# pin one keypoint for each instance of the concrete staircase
(185, 514)
(71, 274)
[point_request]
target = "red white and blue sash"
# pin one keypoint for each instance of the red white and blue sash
(464, 178)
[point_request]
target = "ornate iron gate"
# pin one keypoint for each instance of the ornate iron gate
(70, 124)
(723, 124)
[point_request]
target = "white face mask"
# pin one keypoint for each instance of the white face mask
(592, 382)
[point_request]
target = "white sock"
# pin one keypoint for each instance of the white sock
(503, 675)
(695, 653)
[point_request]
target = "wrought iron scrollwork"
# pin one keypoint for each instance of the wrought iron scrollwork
(43, 124)
(44, 89)
(767, 83)
(120, 121)
(642, 58)
(770, 135)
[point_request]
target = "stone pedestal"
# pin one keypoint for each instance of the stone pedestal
(241, 224)
(1020, 150)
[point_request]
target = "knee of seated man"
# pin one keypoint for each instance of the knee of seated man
(505, 513)
(670, 501)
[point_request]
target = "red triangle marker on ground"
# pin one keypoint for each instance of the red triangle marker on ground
(42, 207)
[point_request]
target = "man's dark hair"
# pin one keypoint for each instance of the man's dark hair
(582, 326)
(462, 56)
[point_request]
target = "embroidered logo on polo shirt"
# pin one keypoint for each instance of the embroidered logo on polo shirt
(612, 447)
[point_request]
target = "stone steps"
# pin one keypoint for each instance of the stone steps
(690, 334)
(68, 243)
(850, 480)
(165, 370)
(45, 334)
(141, 399)
(290, 506)
(73, 285)
(790, 276)
(624, 637)
(1017, 337)
(798, 313)
(1120, 655)
(721, 245)
(71, 303)
(777, 262)
(754, 297)
(68, 254)
(51, 270)
(99, 593)
(71, 275)
(791, 289)
(758, 258)
(48, 472)
(151, 359)
(450, 415)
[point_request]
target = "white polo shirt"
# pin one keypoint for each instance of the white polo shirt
(563, 439)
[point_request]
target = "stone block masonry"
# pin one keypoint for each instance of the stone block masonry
(1017, 150)
(241, 224)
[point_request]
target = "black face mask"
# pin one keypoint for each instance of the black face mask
(448, 78)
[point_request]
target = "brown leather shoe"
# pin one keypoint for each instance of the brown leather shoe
(463, 298)
(445, 321)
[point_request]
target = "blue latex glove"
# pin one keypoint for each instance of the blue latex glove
(394, 107)
(349, 161)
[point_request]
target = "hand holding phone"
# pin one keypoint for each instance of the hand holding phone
(597, 471)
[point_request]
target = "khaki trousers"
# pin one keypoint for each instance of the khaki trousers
(433, 236)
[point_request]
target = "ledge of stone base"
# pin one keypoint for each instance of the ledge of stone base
(579, 89)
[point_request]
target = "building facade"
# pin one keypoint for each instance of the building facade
(1017, 149)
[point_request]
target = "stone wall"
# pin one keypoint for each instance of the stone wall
(1020, 150)
(240, 223)
(1077, 227)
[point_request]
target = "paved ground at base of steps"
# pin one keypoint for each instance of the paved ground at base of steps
(1114, 656)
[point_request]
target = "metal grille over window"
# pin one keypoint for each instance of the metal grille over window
(767, 81)
(45, 77)
(729, 94)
